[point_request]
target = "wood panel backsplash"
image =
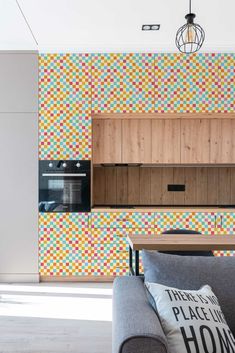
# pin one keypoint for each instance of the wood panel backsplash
(149, 186)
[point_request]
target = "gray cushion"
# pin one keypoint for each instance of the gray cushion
(192, 272)
(142, 345)
(136, 327)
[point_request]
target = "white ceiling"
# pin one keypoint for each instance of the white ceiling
(112, 25)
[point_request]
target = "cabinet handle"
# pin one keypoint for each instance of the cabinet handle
(123, 219)
(64, 175)
(89, 221)
(119, 236)
(221, 221)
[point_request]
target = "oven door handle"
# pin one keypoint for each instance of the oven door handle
(64, 175)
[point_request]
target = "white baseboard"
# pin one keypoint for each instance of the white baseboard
(19, 278)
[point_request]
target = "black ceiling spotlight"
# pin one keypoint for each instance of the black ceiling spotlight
(190, 37)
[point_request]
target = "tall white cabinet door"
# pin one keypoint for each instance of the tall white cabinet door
(18, 82)
(18, 196)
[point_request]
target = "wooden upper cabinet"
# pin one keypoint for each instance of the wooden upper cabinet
(183, 140)
(222, 145)
(107, 137)
(195, 141)
(136, 141)
(166, 141)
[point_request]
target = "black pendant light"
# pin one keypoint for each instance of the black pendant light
(190, 37)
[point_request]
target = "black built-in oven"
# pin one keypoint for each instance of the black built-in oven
(64, 186)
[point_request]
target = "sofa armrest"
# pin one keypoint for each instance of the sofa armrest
(136, 327)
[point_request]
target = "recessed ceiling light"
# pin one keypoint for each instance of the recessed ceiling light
(155, 27)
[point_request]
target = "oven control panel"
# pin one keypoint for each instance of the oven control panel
(64, 166)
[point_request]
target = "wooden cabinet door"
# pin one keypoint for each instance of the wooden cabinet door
(107, 135)
(166, 141)
(136, 141)
(195, 141)
(222, 145)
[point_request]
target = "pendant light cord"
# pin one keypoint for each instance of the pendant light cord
(27, 23)
(190, 7)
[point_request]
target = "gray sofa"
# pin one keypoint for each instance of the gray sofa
(136, 327)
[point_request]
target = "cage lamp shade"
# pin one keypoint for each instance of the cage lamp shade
(190, 37)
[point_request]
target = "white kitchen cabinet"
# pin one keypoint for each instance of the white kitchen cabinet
(18, 82)
(18, 167)
(18, 197)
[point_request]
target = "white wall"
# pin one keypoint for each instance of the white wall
(19, 167)
(113, 25)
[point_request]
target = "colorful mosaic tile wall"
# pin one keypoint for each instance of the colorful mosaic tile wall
(68, 246)
(65, 106)
(205, 223)
(64, 244)
(198, 83)
(95, 243)
(71, 88)
(123, 83)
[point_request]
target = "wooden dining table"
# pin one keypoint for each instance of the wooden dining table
(176, 242)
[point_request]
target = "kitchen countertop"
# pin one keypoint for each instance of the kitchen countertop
(164, 209)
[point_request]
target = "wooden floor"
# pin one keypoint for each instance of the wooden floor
(56, 318)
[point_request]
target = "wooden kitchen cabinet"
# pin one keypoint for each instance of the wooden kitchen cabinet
(136, 141)
(195, 141)
(222, 141)
(107, 137)
(181, 140)
(166, 141)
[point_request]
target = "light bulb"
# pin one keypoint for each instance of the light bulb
(190, 34)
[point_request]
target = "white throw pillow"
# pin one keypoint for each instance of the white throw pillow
(192, 320)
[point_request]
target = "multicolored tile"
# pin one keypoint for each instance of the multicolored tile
(203, 222)
(75, 244)
(196, 83)
(123, 83)
(64, 106)
(64, 244)
(123, 220)
(226, 223)
(198, 221)
(71, 87)
(226, 85)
